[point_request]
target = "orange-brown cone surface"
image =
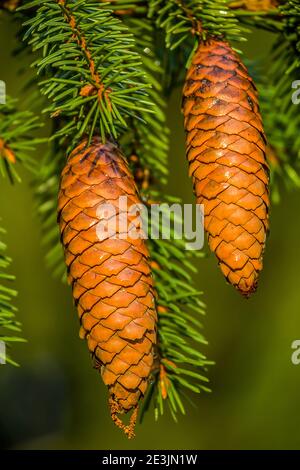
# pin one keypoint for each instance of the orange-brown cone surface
(110, 276)
(254, 5)
(225, 147)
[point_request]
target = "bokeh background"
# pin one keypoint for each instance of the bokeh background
(55, 400)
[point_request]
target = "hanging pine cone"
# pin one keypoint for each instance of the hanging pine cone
(111, 277)
(225, 147)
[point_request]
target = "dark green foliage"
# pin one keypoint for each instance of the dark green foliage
(16, 134)
(9, 326)
(46, 189)
(277, 87)
(16, 143)
(76, 55)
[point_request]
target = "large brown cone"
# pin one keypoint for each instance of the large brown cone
(111, 277)
(225, 145)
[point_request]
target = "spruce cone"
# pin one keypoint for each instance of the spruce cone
(111, 277)
(10, 5)
(225, 147)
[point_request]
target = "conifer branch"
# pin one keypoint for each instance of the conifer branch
(16, 143)
(282, 118)
(182, 18)
(91, 75)
(9, 326)
(46, 184)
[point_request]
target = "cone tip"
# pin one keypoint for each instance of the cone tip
(115, 410)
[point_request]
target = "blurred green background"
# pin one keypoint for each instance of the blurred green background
(55, 400)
